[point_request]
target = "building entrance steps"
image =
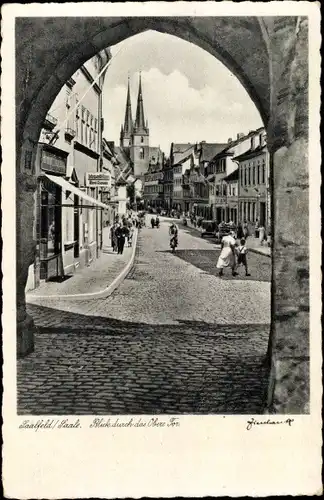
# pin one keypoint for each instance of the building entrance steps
(98, 280)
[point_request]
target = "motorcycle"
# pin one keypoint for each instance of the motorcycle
(173, 243)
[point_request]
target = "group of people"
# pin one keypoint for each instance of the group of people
(121, 234)
(259, 232)
(232, 254)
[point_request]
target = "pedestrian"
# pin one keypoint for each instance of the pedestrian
(242, 256)
(240, 233)
(227, 255)
(262, 235)
(130, 236)
(152, 222)
(113, 237)
(257, 228)
(245, 230)
(121, 236)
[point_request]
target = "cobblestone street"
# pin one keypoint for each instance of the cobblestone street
(173, 338)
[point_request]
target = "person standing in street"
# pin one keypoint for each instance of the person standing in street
(242, 256)
(121, 237)
(256, 228)
(262, 235)
(113, 237)
(240, 233)
(245, 230)
(227, 255)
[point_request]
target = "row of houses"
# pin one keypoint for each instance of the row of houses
(80, 178)
(219, 181)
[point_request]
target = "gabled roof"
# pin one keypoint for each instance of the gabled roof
(232, 176)
(155, 155)
(181, 147)
(250, 153)
(209, 150)
(180, 157)
(122, 155)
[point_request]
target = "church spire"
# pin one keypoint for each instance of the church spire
(128, 122)
(140, 121)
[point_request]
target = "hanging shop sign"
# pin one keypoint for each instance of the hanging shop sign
(53, 163)
(97, 179)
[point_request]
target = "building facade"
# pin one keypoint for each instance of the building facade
(68, 209)
(182, 159)
(168, 185)
(254, 195)
(198, 178)
(154, 180)
(224, 204)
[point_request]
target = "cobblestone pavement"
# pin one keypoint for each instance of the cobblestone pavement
(171, 339)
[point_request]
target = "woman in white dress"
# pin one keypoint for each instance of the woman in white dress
(227, 255)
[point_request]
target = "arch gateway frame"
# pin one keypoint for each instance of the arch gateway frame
(270, 58)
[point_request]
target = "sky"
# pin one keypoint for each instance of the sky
(189, 96)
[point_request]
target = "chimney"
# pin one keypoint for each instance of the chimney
(229, 140)
(240, 135)
(253, 142)
(262, 139)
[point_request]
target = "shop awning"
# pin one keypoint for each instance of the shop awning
(66, 186)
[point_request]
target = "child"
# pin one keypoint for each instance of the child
(241, 256)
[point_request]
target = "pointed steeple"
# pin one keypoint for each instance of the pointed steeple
(128, 122)
(140, 121)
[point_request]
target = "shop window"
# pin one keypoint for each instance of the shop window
(50, 223)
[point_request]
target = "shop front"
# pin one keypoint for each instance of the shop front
(58, 204)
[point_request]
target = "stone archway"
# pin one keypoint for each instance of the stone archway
(269, 57)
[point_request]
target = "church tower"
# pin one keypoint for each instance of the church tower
(140, 138)
(127, 130)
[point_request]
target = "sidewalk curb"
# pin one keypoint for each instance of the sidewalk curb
(256, 250)
(94, 295)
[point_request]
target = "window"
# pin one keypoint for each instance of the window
(263, 172)
(233, 191)
(241, 175)
(245, 175)
(85, 133)
(258, 171)
(253, 178)
(77, 126)
(142, 139)
(96, 124)
(249, 174)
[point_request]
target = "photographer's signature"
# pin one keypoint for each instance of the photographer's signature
(252, 422)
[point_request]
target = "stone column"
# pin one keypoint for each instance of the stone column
(288, 145)
(25, 189)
